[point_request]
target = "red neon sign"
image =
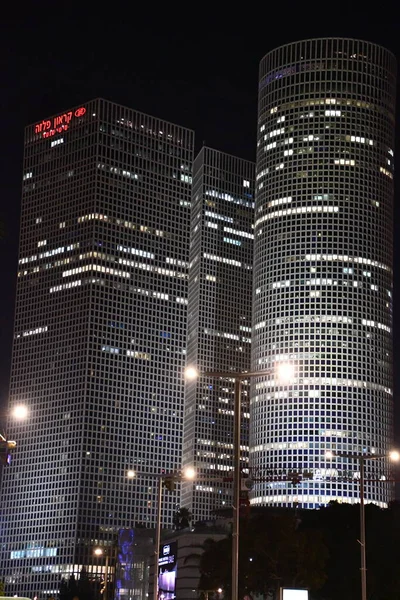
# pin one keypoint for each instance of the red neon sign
(60, 123)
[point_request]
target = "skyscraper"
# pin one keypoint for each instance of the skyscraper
(106, 298)
(100, 336)
(323, 275)
(219, 323)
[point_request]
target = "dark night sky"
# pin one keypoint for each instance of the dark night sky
(186, 65)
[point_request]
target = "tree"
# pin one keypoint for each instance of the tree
(316, 549)
(63, 592)
(2, 591)
(72, 587)
(214, 563)
(85, 588)
(182, 518)
(275, 551)
(340, 526)
(284, 554)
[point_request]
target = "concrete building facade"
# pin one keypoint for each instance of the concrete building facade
(323, 269)
(100, 337)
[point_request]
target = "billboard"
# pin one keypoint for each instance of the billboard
(293, 594)
(167, 568)
(126, 551)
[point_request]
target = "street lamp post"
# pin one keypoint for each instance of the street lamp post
(99, 552)
(363, 566)
(284, 371)
(163, 479)
(361, 458)
(158, 539)
(236, 488)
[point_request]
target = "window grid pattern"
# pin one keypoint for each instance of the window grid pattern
(100, 338)
(322, 288)
(219, 323)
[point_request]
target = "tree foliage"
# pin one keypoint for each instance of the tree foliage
(83, 589)
(215, 564)
(274, 552)
(340, 524)
(314, 549)
(182, 518)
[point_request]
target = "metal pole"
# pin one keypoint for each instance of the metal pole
(362, 532)
(236, 491)
(105, 578)
(112, 568)
(158, 540)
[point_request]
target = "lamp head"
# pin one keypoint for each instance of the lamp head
(20, 412)
(191, 373)
(189, 473)
(285, 372)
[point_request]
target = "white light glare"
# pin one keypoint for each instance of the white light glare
(191, 373)
(20, 412)
(285, 372)
(189, 473)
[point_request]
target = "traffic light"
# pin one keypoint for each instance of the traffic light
(169, 483)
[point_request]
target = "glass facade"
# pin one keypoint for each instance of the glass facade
(124, 262)
(100, 337)
(219, 323)
(322, 288)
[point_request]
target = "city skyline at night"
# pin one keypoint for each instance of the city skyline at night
(134, 194)
(213, 92)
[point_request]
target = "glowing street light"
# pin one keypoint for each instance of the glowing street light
(207, 592)
(361, 458)
(284, 373)
(20, 412)
(99, 552)
(189, 473)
